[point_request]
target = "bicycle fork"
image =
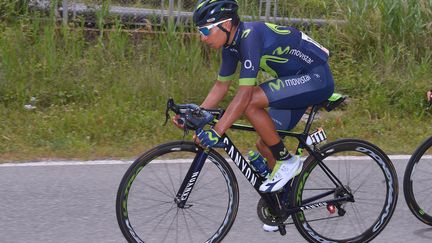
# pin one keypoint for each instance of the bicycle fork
(190, 179)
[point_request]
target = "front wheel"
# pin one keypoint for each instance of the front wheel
(356, 204)
(146, 207)
(417, 181)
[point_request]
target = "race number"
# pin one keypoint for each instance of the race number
(316, 137)
(310, 40)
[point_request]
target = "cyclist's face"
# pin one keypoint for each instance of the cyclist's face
(217, 38)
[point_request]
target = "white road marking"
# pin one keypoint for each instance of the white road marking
(125, 162)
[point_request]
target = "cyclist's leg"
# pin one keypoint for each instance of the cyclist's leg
(262, 122)
(294, 92)
(286, 119)
(265, 152)
(283, 120)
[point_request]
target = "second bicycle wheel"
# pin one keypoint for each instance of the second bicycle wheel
(147, 212)
(417, 181)
(366, 172)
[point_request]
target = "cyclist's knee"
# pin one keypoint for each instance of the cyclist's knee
(259, 99)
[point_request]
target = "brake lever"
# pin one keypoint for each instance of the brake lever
(167, 116)
(170, 106)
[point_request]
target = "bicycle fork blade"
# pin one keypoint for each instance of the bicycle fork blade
(190, 179)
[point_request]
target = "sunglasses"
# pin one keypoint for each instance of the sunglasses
(205, 30)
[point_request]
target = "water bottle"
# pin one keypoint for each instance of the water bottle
(259, 163)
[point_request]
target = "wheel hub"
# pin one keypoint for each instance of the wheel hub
(344, 191)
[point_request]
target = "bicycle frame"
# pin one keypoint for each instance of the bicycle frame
(272, 199)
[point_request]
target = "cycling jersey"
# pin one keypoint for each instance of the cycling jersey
(297, 62)
(277, 50)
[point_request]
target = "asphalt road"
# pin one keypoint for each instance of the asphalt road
(75, 202)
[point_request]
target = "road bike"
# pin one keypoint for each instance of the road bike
(416, 183)
(179, 192)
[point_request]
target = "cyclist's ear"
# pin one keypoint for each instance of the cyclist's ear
(227, 25)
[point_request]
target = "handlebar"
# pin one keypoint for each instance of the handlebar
(191, 115)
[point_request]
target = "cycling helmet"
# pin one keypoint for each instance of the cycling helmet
(211, 11)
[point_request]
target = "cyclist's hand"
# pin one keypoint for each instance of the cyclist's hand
(178, 121)
(429, 96)
(207, 138)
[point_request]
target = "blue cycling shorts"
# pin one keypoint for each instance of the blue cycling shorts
(290, 96)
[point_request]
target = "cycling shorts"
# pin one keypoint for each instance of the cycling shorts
(290, 96)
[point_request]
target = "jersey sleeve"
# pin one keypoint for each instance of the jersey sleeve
(228, 66)
(251, 50)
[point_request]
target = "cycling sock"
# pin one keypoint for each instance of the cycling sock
(280, 152)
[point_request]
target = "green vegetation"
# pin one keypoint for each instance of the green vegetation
(102, 94)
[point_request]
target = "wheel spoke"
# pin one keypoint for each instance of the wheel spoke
(371, 202)
(365, 178)
(187, 227)
(161, 219)
(151, 211)
(417, 180)
(199, 186)
(159, 190)
(362, 176)
(204, 216)
(199, 226)
(210, 196)
(161, 183)
(170, 179)
(424, 190)
(211, 205)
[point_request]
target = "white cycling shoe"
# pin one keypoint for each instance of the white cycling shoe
(282, 172)
(269, 228)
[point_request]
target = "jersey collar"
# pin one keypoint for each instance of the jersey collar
(236, 39)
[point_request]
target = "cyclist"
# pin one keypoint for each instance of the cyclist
(301, 74)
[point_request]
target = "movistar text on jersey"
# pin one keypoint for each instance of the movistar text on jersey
(277, 84)
(301, 55)
(296, 81)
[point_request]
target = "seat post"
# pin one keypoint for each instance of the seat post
(311, 117)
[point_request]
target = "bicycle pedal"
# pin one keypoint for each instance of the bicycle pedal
(282, 229)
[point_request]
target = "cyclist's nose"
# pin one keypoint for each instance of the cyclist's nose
(205, 38)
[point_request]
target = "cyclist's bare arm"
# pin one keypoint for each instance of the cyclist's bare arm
(235, 109)
(216, 94)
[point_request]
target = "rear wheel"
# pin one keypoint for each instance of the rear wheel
(417, 181)
(366, 173)
(146, 207)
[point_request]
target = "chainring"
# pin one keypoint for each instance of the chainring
(266, 216)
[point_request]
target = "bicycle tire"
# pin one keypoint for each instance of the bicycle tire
(139, 190)
(371, 197)
(414, 198)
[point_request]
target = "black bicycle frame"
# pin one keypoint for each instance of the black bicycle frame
(272, 199)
